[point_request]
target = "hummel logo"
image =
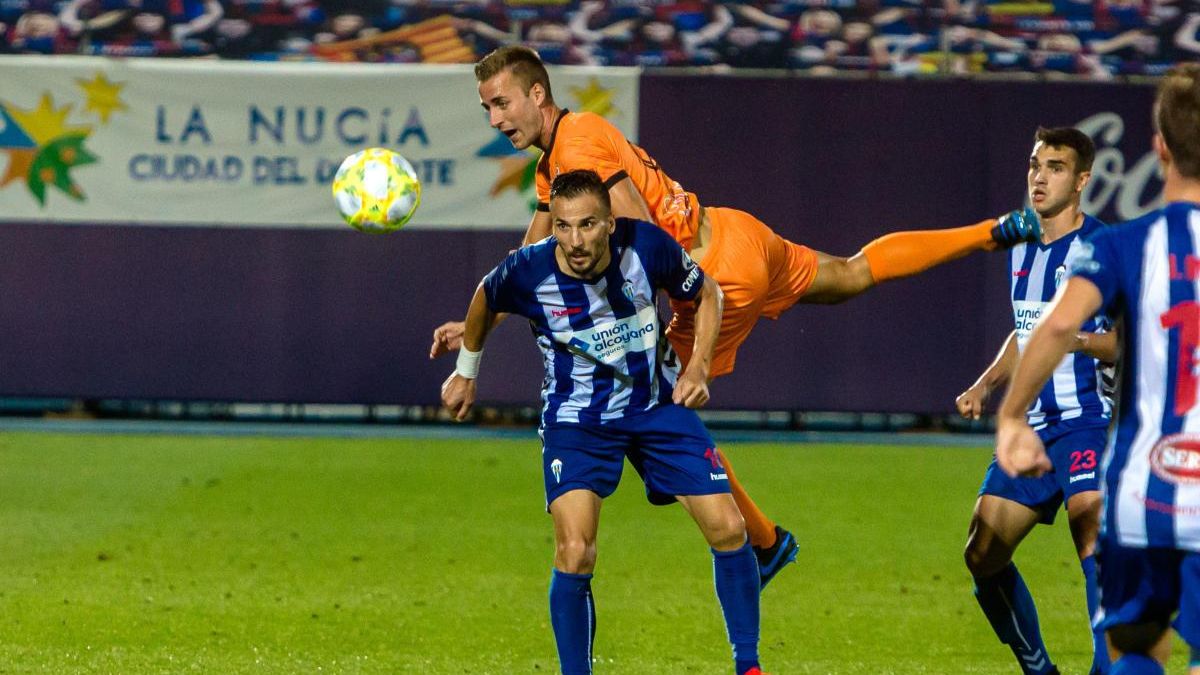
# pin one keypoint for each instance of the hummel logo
(1021, 273)
(566, 311)
(1037, 660)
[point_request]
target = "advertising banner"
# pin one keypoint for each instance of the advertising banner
(257, 144)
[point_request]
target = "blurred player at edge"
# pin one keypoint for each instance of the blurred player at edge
(1071, 414)
(1147, 271)
(761, 273)
(613, 390)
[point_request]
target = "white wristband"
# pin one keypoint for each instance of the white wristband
(468, 363)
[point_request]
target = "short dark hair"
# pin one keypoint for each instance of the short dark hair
(581, 182)
(1070, 137)
(1177, 117)
(525, 64)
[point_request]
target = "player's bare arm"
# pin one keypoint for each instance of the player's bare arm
(448, 337)
(692, 388)
(970, 403)
(458, 391)
(1019, 451)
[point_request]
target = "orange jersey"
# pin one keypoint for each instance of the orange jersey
(761, 273)
(588, 141)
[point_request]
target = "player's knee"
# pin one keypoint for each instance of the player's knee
(981, 561)
(858, 275)
(575, 555)
(1137, 638)
(727, 533)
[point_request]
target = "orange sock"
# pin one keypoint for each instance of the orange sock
(759, 527)
(903, 254)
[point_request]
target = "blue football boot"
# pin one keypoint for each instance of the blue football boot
(775, 558)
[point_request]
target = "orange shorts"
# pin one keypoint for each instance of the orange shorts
(761, 274)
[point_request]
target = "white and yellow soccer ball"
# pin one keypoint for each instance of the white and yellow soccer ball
(376, 190)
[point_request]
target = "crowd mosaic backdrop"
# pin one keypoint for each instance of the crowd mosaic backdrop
(1098, 39)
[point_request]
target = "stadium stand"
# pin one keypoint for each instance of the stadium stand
(1098, 39)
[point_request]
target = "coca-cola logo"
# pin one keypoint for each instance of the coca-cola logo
(1131, 189)
(1176, 459)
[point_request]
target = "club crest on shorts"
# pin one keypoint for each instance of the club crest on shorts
(556, 469)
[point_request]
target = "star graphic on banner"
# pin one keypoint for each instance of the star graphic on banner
(103, 97)
(43, 146)
(593, 98)
(46, 123)
(53, 163)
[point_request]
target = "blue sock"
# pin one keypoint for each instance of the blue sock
(736, 576)
(1136, 664)
(1009, 607)
(1100, 662)
(573, 616)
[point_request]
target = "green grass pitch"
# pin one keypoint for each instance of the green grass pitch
(218, 554)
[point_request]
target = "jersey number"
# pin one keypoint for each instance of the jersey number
(1186, 317)
(1083, 460)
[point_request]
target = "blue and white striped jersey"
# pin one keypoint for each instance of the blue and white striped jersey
(1148, 272)
(601, 339)
(1076, 390)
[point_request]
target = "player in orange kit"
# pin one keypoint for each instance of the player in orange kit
(760, 273)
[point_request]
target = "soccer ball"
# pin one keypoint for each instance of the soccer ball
(376, 190)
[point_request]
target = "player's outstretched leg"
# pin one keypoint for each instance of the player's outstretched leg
(903, 254)
(735, 573)
(774, 547)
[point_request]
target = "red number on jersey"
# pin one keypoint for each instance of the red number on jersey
(1186, 317)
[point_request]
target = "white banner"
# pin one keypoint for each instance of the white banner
(149, 141)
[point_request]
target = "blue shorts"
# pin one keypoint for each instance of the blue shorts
(668, 446)
(1075, 451)
(1138, 585)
